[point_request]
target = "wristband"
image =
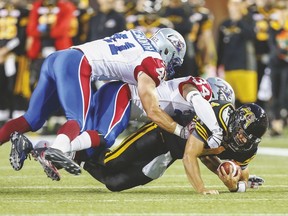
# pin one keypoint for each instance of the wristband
(177, 130)
(241, 187)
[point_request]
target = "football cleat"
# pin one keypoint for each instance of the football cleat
(59, 160)
(20, 149)
(50, 170)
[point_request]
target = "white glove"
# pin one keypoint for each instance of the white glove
(214, 141)
(255, 181)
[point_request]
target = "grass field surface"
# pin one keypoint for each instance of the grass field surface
(30, 192)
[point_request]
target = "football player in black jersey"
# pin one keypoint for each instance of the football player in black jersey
(147, 153)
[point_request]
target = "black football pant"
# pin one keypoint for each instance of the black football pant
(121, 168)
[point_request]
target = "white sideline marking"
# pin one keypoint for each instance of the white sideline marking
(137, 200)
(273, 151)
(153, 214)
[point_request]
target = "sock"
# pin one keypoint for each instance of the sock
(19, 124)
(81, 142)
(69, 131)
(62, 142)
(95, 138)
(85, 140)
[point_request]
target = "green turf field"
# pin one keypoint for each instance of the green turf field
(29, 191)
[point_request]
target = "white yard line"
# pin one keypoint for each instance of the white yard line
(273, 151)
(149, 214)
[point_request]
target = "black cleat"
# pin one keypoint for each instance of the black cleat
(20, 149)
(59, 160)
(48, 167)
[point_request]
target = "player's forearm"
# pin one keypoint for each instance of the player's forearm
(211, 162)
(190, 161)
(162, 119)
(148, 97)
(193, 173)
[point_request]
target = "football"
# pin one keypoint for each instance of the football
(226, 165)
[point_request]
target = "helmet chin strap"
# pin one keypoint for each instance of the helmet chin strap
(170, 67)
(170, 72)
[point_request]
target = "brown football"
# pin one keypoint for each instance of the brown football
(226, 165)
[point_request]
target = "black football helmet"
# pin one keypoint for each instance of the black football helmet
(252, 122)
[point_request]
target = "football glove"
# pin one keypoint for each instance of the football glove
(184, 133)
(187, 130)
(255, 181)
(214, 141)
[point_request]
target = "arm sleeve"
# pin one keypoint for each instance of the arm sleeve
(203, 110)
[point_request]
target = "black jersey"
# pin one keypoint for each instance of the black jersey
(261, 17)
(103, 25)
(222, 110)
(235, 44)
(13, 26)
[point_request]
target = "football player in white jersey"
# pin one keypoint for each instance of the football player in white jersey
(65, 81)
(110, 117)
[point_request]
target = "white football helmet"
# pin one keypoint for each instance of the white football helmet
(171, 46)
(221, 90)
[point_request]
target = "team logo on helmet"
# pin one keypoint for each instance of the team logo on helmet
(247, 116)
(176, 42)
(225, 92)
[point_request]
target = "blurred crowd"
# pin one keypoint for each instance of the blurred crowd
(248, 48)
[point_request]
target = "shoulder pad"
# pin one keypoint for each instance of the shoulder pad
(223, 111)
(201, 85)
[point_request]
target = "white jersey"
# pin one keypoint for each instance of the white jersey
(122, 56)
(169, 96)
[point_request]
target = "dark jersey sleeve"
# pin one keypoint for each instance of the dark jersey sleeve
(222, 110)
